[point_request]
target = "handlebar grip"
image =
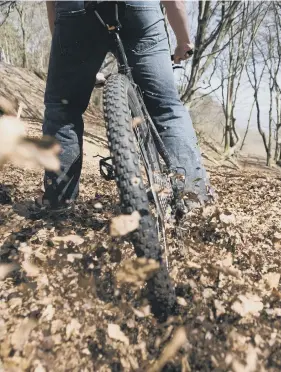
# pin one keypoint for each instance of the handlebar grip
(190, 53)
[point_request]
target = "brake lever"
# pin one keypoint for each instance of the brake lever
(175, 67)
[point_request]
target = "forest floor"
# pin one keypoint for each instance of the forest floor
(62, 309)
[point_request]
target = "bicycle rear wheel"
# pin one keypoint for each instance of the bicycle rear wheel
(120, 104)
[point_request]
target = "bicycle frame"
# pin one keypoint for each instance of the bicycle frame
(148, 128)
(124, 68)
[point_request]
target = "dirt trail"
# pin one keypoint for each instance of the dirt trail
(60, 307)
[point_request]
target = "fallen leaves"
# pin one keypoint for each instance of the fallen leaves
(7, 107)
(48, 313)
(272, 280)
(137, 271)
(250, 362)
(220, 309)
(223, 258)
(38, 367)
(98, 206)
(115, 333)
(124, 224)
(75, 239)
(30, 269)
(6, 269)
(21, 334)
(3, 329)
(11, 132)
(72, 329)
(178, 340)
(248, 304)
(227, 218)
(136, 122)
(181, 301)
(71, 257)
(24, 151)
(33, 152)
(142, 312)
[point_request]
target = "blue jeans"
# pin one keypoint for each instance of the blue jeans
(79, 46)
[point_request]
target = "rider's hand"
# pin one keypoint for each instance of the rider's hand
(181, 52)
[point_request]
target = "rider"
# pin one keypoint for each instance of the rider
(79, 45)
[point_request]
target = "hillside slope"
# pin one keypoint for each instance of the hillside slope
(63, 309)
(208, 119)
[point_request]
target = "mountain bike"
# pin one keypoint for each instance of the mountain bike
(142, 168)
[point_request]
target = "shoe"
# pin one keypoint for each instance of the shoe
(42, 208)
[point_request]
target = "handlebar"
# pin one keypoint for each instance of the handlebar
(190, 53)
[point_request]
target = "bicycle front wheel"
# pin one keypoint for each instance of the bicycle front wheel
(120, 106)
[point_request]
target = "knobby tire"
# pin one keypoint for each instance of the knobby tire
(120, 101)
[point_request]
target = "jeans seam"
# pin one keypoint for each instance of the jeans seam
(70, 14)
(157, 40)
(138, 8)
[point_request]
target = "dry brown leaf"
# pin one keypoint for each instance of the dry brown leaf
(23, 151)
(276, 294)
(226, 268)
(210, 211)
(98, 206)
(7, 107)
(137, 271)
(220, 309)
(124, 224)
(21, 334)
(181, 301)
(142, 312)
(276, 312)
(75, 239)
(277, 237)
(25, 249)
(208, 293)
(56, 326)
(30, 268)
(248, 304)
(193, 265)
(251, 361)
(48, 313)
(115, 333)
(71, 257)
(227, 218)
(72, 328)
(15, 302)
(32, 152)
(136, 122)
(170, 350)
(3, 329)
(272, 280)
(11, 132)
(166, 192)
(38, 366)
(6, 269)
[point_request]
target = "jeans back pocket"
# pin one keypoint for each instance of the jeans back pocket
(74, 33)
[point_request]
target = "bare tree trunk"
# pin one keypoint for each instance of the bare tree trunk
(248, 125)
(278, 124)
(20, 11)
(256, 88)
(200, 63)
(8, 55)
(269, 146)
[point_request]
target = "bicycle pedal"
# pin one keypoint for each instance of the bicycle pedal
(107, 169)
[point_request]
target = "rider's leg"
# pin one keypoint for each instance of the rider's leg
(79, 46)
(149, 55)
